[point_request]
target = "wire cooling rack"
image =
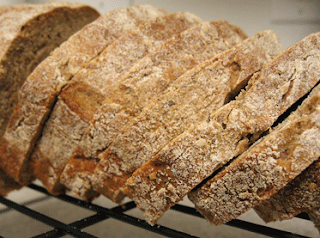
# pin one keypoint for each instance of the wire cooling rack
(74, 229)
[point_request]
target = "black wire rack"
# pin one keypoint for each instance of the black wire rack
(74, 229)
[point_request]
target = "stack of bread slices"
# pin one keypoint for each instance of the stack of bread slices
(156, 106)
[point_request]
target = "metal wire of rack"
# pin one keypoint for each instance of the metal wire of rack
(101, 213)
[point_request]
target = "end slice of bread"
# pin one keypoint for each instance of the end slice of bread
(40, 90)
(7, 184)
(28, 33)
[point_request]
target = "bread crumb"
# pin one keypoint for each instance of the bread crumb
(153, 175)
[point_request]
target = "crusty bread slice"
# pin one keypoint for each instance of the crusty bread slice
(266, 167)
(193, 156)
(28, 33)
(300, 195)
(75, 107)
(188, 101)
(148, 79)
(39, 92)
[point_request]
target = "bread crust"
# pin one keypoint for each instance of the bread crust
(269, 94)
(300, 195)
(149, 78)
(265, 167)
(77, 103)
(187, 102)
(42, 87)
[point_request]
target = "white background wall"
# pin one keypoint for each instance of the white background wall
(291, 20)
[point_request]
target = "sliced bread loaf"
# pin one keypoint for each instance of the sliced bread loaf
(42, 87)
(266, 167)
(188, 101)
(77, 103)
(300, 195)
(148, 79)
(28, 33)
(193, 156)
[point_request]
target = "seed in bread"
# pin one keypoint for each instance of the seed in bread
(232, 127)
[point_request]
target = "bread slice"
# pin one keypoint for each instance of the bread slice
(188, 101)
(315, 217)
(75, 107)
(147, 79)
(266, 167)
(7, 184)
(300, 195)
(193, 156)
(28, 33)
(42, 87)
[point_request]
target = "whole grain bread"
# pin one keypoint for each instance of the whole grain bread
(40, 91)
(189, 100)
(193, 156)
(77, 103)
(149, 78)
(28, 33)
(300, 195)
(265, 168)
